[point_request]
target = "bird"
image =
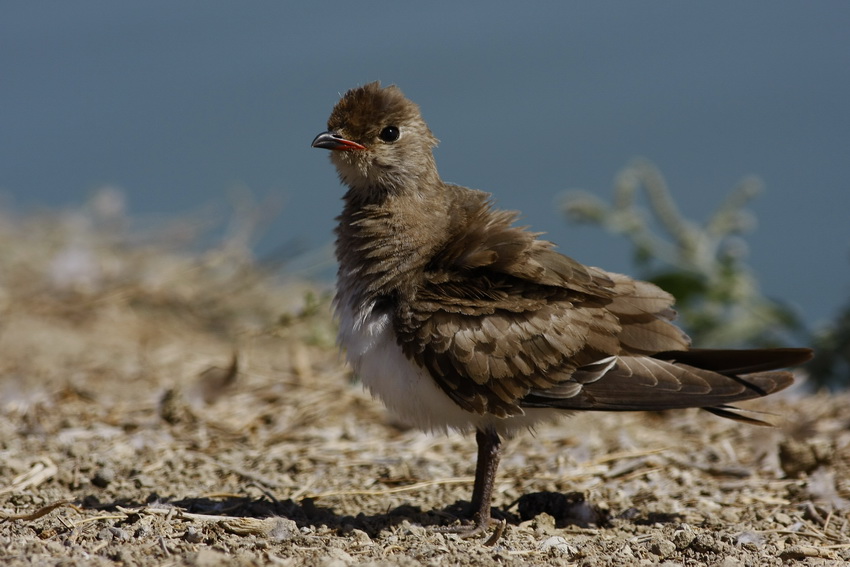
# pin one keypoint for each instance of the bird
(459, 320)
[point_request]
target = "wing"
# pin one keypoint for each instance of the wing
(499, 315)
(705, 378)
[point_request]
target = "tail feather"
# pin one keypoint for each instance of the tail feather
(708, 379)
(733, 362)
(731, 412)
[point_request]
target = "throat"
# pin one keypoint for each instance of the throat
(385, 241)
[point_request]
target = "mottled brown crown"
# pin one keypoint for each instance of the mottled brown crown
(363, 112)
(384, 164)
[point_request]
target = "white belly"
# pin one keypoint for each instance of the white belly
(406, 388)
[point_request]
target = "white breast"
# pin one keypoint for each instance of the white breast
(406, 388)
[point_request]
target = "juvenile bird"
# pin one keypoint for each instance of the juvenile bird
(458, 320)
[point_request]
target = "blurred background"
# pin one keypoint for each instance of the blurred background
(185, 107)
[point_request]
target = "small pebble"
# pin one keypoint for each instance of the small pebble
(662, 548)
(103, 477)
(558, 545)
(192, 535)
(682, 538)
(361, 537)
(704, 543)
(750, 540)
(119, 534)
(284, 529)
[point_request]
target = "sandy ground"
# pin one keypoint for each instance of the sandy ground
(159, 408)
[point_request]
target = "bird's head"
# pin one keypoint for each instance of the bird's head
(378, 139)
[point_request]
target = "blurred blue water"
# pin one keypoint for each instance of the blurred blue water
(178, 103)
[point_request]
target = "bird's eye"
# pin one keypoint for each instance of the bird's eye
(389, 134)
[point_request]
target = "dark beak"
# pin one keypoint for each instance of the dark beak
(331, 141)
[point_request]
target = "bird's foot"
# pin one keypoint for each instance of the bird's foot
(479, 527)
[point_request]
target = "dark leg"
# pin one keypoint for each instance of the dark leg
(489, 453)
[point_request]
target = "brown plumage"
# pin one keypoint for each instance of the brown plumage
(457, 319)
